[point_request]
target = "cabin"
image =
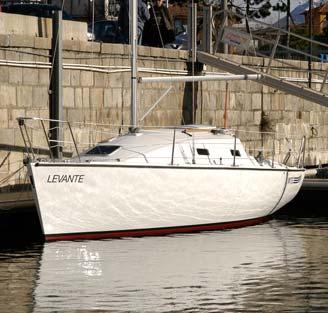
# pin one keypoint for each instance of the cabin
(196, 146)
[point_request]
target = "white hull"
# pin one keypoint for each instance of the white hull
(104, 198)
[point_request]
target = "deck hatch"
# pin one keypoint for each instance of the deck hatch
(102, 149)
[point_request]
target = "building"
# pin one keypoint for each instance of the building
(319, 19)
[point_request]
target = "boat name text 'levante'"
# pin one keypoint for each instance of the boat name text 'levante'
(65, 179)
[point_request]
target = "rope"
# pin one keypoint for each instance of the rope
(4, 180)
(5, 159)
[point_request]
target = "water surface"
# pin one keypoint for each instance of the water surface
(278, 266)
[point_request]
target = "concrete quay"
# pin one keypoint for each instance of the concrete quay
(311, 201)
(16, 200)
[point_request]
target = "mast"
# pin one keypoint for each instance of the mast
(56, 102)
(133, 8)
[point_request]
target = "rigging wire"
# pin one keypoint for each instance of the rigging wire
(5, 159)
(4, 180)
(170, 71)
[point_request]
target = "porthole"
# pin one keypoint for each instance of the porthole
(237, 152)
(202, 151)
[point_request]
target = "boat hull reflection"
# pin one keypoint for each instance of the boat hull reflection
(210, 271)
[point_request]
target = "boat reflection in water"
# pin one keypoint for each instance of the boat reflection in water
(266, 268)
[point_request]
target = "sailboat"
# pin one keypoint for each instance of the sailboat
(158, 181)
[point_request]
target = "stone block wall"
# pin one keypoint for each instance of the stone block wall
(26, 27)
(96, 90)
(253, 106)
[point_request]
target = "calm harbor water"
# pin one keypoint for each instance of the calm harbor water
(278, 266)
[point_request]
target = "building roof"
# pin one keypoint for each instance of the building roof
(321, 9)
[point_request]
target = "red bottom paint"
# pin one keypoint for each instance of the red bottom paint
(157, 231)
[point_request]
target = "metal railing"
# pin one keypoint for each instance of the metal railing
(263, 153)
(50, 142)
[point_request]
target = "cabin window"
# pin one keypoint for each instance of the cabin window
(103, 150)
(237, 152)
(202, 151)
